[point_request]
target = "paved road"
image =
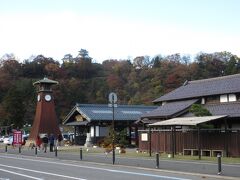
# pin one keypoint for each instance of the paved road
(182, 166)
(20, 167)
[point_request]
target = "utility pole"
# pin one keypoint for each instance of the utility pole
(112, 103)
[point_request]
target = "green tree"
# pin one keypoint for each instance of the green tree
(232, 66)
(199, 110)
(17, 101)
(14, 107)
(122, 138)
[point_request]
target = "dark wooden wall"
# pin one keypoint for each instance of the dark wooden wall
(209, 140)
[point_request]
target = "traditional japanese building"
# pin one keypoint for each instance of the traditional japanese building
(219, 133)
(96, 119)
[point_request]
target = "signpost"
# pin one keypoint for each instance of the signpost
(17, 138)
(112, 100)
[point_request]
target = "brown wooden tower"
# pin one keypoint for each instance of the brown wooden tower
(45, 121)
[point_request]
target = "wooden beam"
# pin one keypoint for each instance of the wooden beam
(74, 141)
(136, 136)
(158, 143)
(226, 137)
(150, 143)
(172, 140)
(94, 134)
(130, 133)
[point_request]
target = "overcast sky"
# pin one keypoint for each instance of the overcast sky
(118, 29)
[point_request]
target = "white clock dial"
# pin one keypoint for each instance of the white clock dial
(38, 97)
(48, 97)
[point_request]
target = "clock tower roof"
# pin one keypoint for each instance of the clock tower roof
(45, 80)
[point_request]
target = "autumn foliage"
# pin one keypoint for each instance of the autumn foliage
(136, 81)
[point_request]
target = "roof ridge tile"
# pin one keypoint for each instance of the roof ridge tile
(215, 78)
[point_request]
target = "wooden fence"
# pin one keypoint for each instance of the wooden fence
(186, 142)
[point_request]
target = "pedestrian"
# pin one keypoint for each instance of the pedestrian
(45, 143)
(38, 142)
(51, 140)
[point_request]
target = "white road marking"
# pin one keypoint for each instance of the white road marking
(101, 169)
(11, 172)
(41, 172)
(144, 174)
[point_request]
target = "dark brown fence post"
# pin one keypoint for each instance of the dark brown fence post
(150, 143)
(172, 139)
(199, 143)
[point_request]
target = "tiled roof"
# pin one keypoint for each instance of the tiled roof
(170, 109)
(231, 109)
(205, 87)
(98, 112)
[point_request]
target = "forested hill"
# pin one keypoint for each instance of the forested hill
(138, 81)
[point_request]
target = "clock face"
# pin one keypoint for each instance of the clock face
(38, 97)
(48, 97)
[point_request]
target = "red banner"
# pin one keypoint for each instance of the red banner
(17, 137)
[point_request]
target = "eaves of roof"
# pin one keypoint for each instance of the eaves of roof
(170, 109)
(77, 123)
(187, 121)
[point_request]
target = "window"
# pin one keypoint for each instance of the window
(232, 97)
(228, 98)
(92, 131)
(224, 98)
(96, 131)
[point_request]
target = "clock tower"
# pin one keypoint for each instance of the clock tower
(45, 121)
